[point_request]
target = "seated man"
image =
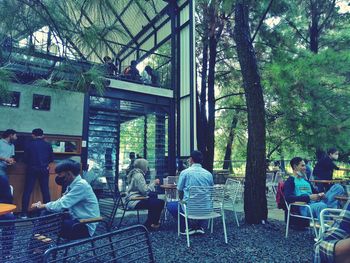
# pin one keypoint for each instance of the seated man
(297, 189)
(334, 246)
(79, 199)
(195, 175)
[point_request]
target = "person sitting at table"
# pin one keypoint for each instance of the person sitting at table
(79, 199)
(334, 246)
(298, 189)
(324, 168)
(195, 175)
(139, 188)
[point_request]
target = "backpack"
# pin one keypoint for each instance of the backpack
(281, 204)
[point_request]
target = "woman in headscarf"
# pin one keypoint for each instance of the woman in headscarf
(139, 188)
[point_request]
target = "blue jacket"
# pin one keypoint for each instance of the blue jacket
(289, 192)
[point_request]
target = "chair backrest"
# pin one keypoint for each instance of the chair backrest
(231, 190)
(172, 179)
(278, 177)
(130, 244)
(27, 239)
(201, 200)
(328, 217)
(270, 177)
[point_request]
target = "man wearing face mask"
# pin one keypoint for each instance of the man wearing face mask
(79, 199)
(297, 189)
(324, 168)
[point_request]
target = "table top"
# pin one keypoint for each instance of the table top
(6, 208)
(168, 186)
(329, 181)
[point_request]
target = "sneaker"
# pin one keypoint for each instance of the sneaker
(190, 232)
(23, 216)
(200, 231)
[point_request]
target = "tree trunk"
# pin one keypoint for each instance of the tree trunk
(255, 204)
(228, 152)
(313, 28)
(202, 113)
(209, 156)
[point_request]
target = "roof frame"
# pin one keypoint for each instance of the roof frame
(119, 16)
(143, 31)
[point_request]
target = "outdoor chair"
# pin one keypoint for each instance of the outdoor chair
(231, 191)
(169, 193)
(25, 240)
(130, 244)
(113, 201)
(270, 183)
(328, 216)
(292, 207)
(204, 203)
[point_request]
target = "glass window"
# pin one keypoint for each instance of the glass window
(12, 100)
(41, 102)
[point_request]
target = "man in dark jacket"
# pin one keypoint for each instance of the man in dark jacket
(297, 189)
(37, 155)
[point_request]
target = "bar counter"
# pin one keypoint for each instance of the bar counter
(17, 175)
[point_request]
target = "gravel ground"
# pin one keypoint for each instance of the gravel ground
(247, 243)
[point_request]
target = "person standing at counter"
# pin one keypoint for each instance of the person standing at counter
(7, 150)
(38, 155)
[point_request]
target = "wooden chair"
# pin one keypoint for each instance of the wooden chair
(130, 244)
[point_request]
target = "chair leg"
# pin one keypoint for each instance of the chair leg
(121, 219)
(187, 233)
(178, 223)
(212, 226)
(234, 211)
(209, 223)
(287, 225)
(237, 221)
(224, 225)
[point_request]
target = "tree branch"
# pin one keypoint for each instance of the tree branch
(279, 145)
(229, 95)
(297, 31)
(261, 21)
(243, 108)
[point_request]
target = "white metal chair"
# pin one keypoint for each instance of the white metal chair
(270, 183)
(291, 214)
(231, 190)
(200, 206)
(171, 194)
(328, 216)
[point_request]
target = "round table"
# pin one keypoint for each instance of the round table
(6, 208)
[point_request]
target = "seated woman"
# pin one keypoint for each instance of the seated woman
(139, 188)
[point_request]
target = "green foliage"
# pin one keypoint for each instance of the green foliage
(5, 79)
(312, 94)
(83, 82)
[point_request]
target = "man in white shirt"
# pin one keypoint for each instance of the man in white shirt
(79, 199)
(195, 175)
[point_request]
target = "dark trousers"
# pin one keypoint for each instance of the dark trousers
(154, 207)
(42, 174)
(7, 234)
(73, 229)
